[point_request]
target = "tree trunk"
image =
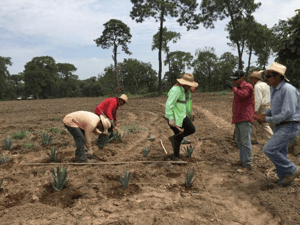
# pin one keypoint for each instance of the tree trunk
(115, 60)
(159, 51)
(249, 60)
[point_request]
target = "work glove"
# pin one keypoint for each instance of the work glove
(172, 123)
(229, 84)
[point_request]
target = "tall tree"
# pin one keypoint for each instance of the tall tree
(167, 37)
(65, 71)
(160, 10)
(115, 33)
(17, 79)
(205, 64)
(236, 10)
(4, 75)
(40, 76)
(178, 62)
(138, 77)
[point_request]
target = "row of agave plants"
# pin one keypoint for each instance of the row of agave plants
(60, 176)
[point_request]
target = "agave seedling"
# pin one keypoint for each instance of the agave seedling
(53, 155)
(185, 141)
(46, 139)
(145, 151)
(60, 178)
(3, 158)
(125, 180)
(188, 151)
(189, 178)
(117, 137)
(7, 143)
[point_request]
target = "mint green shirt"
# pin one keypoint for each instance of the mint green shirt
(177, 106)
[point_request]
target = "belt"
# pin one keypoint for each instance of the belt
(286, 122)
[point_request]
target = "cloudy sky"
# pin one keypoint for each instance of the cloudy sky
(66, 29)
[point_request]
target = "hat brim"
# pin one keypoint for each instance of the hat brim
(184, 82)
(287, 80)
(234, 78)
(123, 100)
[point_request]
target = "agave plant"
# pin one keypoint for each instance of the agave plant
(3, 158)
(46, 139)
(185, 141)
(125, 180)
(7, 143)
(117, 137)
(151, 138)
(53, 155)
(189, 178)
(188, 151)
(60, 178)
(145, 151)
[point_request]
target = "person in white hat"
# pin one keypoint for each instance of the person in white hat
(262, 103)
(81, 125)
(109, 108)
(178, 111)
(285, 114)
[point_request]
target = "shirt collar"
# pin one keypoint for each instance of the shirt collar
(280, 84)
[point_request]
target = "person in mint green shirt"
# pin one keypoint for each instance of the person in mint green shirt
(179, 111)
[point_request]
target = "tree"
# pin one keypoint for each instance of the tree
(17, 81)
(115, 33)
(65, 72)
(178, 61)
(4, 75)
(205, 65)
(167, 37)
(41, 78)
(236, 10)
(137, 77)
(287, 46)
(159, 10)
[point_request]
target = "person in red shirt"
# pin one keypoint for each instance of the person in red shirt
(242, 117)
(109, 108)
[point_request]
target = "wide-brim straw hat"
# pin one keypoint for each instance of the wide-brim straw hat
(256, 74)
(124, 97)
(105, 123)
(188, 79)
(277, 67)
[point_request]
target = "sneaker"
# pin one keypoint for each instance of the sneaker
(244, 169)
(171, 139)
(237, 163)
(288, 180)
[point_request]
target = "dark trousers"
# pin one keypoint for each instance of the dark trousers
(189, 129)
(79, 139)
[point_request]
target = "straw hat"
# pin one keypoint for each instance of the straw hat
(256, 74)
(188, 79)
(276, 67)
(105, 123)
(124, 97)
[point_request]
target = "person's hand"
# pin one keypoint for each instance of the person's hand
(229, 84)
(172, 123)
(262, 118)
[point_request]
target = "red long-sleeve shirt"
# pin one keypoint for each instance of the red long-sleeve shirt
(243, 103)
(109, 107)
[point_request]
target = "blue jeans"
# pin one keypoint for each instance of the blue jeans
(276, 149)
(243, 137)
(79, 139)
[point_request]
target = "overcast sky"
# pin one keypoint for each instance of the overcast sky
(66, 29)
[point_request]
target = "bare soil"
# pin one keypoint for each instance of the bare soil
(156, 193)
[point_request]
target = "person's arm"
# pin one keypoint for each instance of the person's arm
(173, 96)
(288, 108)
(88, 135)
(111, 108)
(244, 92)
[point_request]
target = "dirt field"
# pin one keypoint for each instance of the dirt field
(156, 193)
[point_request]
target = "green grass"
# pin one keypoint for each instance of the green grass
(132, 128)
(54, 119)
(19, 135)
